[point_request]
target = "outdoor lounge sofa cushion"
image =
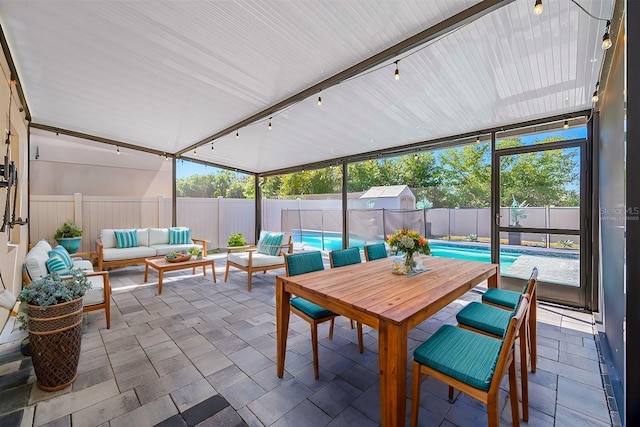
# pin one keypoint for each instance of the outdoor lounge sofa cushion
(150, 242)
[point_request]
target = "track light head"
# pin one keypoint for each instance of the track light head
(396, 75)
(537, 8)
(566, 124)
(269, 123)
(319, 100)
(237, 135)
(117, 150)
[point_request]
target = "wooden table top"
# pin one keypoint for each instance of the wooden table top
(370, 292)
(161, 262)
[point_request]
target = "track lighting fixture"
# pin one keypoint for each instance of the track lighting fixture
(396, 75)
(566, 124)
(478, 140)
(270, 122)
(237, 136)
(606, 39)
(195, 152)
(117, 150)
(319, 100)
(537, 9)
(595, 96)
(212, 149)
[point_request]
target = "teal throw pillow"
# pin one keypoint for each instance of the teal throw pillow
(63, 254)
(270, 244)
(126, 238)
(55, 264)
(179, 236)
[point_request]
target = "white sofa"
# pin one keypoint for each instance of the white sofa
(96, 298)
(151, 242)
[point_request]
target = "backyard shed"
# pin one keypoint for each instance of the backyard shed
(388, 197)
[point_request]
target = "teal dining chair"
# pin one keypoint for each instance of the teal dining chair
(472, 363)
(493, 321)
(307, 262)
(340, 258)
(507, 300)
(375, 251)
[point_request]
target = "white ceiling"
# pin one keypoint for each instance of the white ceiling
(166, 75)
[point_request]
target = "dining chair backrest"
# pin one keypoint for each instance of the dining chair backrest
(303, 262)
(375, 251)
(509, 338)
(342, 257)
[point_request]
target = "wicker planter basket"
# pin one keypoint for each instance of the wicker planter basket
(54, 336)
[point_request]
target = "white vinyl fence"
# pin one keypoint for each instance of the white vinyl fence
(216, 219)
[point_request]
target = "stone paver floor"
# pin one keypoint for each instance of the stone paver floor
(204, 354)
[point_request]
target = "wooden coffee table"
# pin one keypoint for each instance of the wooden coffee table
(162, 265)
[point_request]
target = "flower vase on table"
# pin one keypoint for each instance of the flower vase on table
(410, 243)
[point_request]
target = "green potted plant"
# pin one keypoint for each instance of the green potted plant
(53, 317)
(196, 252)
(236, 239)
(69, 236)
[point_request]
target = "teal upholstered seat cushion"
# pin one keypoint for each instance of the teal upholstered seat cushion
(344, 257)
(467, 356)
(304, 262)
(485, 317)
(311, 309)
(502, 297)
(376, 251)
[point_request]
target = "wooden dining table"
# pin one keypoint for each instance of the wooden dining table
(393, 304)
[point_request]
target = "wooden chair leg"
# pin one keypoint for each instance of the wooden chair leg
(493, 413)
(513, 394)
(360, 344)
(331, 330)
(314, 344)
(524, 376)
(226, 272)
(533, 333)
(415, 394)
(250, 273)
(450, 394)
(351, 321)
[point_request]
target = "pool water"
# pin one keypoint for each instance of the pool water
(332, 241)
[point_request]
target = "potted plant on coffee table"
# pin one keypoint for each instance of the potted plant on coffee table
(69, 236)
(53, 317)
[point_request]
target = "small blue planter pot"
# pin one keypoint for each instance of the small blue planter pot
(71, 244)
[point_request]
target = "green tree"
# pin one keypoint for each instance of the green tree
(466, 177)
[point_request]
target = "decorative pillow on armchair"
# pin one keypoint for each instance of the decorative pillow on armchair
(270, 244)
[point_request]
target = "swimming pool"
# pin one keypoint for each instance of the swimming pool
(332, 241)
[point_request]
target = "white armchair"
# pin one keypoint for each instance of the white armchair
(266, 255)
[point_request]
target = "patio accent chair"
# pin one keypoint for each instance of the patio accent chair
(307, 262)
(340, 258)
(265, 255)
(375, 251)
(471, 362)
(493, 321)
(507, 300)
(97, 298)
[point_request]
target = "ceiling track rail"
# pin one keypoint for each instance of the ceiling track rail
(14, 74)
(445, 142)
